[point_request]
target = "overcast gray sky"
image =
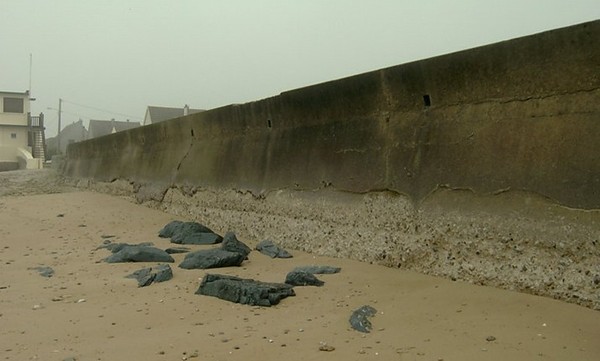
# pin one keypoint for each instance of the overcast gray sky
(123, 55)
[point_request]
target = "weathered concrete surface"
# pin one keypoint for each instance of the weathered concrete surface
(516, 115)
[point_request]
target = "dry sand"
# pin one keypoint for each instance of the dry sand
(89, 311)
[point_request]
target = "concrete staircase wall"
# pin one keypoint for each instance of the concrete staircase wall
(38, 145)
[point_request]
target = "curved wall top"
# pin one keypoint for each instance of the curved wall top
(522, 114)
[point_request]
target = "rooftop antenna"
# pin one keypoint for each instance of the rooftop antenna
(30, 66)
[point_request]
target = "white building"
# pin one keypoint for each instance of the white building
(21, 135)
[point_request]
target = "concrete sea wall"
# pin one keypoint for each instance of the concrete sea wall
(521, 115)
(481, 166)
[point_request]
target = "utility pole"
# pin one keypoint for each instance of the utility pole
(59, 115)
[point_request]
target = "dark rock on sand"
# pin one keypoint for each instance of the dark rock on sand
(232, 244)
(212, 258)
(318, 269)
(139, 254)
(144, 277)
(116, 247)
(298, 278)
(44, 271)
(163, 273)
(174, 227)
(359, 320)
(272, 250)
(147, 276)
(174, 250)
(244, 291)
(231, 253)
(196, 238)
(189, 233)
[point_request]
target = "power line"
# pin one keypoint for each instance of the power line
(100, 109)
(78, 115)
(75, 114)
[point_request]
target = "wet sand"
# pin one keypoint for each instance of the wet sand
(89, 311)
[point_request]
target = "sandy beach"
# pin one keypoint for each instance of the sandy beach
(88, 310)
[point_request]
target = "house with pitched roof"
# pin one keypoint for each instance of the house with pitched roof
(22, 139)
(156, 114)
(72, 133)
(99, 128)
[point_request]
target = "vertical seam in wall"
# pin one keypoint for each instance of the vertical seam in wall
(386, 112)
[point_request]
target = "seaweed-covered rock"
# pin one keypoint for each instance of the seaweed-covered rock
(359, 321)
(318, 269)
(139, 254)
(244, 291)
(298, 278)
(189, 233)
(272, 250)
(232, 244)
(211, 258)
(147, 276)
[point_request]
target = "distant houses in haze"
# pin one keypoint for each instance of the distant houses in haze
(76, 132)
(156, 114)
(100, 128)
(72, 133)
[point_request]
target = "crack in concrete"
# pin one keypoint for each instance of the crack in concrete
(523, 99)
(353, 150)
(526, 99)
(184, 157)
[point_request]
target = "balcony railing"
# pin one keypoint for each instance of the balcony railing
(35, 121)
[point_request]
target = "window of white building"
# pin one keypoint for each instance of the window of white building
(13, 105)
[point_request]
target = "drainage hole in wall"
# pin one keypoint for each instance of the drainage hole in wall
(427, 100)
(269, 123)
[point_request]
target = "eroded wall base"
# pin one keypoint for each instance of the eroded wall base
(512, 240)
